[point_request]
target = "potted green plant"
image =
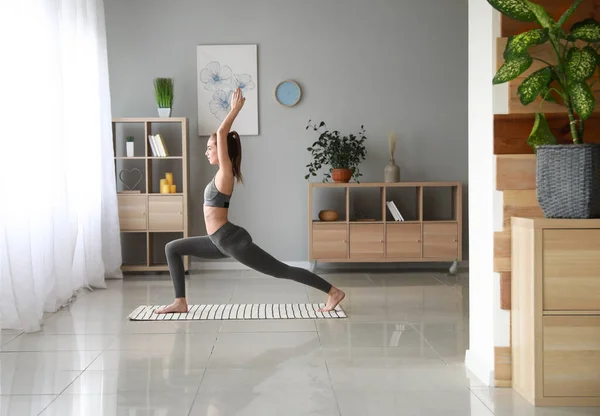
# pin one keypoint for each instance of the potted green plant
(163, 92)
(567, 175)
(341, 153)
(129, 146)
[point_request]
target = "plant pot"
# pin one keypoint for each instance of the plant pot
(129, 148)
(341, 175)
(568, 180)
(164, 112)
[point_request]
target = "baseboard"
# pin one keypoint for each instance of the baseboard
(235, 265)
(479, 369)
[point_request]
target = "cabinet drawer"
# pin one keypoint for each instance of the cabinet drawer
(403, 240)
(571, 356)
(132, 212)
(329, 241)
(440, 240)
(165, 212)
(366, 241)
(571, 272)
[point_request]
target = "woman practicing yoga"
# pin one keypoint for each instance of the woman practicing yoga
(225, 239)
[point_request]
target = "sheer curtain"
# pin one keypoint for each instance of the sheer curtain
(59, 229)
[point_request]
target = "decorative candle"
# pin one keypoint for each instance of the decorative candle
(173, 189)
(163, 182)
(169, 177)
(165, 188)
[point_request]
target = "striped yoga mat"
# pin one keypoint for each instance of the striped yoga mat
(239, 311)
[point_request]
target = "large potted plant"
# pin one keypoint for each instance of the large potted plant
(341, 153)
(567, 175)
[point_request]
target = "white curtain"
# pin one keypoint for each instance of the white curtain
(59, 229)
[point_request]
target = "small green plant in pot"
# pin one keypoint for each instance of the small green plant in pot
(341, 153)
(163, 92)
(567, 175)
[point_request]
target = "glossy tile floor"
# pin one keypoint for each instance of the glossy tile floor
(400, 352)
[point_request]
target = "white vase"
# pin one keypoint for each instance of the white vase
(130, 149)
(391, 172)
(164, 112)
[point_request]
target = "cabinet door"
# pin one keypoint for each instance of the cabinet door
(132, 212)
(571, 269)
(329, 241)
(403, 240)
(165, 212)
(366, 241)
(571, 356)
(440, 240)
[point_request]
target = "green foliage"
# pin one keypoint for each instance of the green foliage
(518, 44)
(336, 151)
(515, 9)
(587, 30)
(130, 139)
(570, 76)
(533, 85)
(541, 133)
(163, 92)
(512, 68)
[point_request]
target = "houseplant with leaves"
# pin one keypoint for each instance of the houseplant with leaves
(567, 175)
(342, 153)
(163, 92)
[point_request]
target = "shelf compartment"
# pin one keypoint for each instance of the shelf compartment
(157, 242)
(366, 241)
(403, 240)
(120, 133)
(408, 201)
(157, 170)
(136, 256)
(440, 203)
(131, 173)
(366, 203)
(330, 199)
(165, 212)
(329, 241)
(171, 137)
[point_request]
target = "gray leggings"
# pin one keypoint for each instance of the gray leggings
(233, 241)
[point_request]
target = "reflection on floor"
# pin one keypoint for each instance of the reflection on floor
(400, 352)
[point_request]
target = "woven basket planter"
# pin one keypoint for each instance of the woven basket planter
(568, 180)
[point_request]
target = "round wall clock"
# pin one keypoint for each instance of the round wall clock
(288, 93)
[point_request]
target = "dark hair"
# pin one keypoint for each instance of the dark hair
(234, 148)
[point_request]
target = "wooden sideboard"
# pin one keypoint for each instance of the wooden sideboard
(375, 236)
(555, 325)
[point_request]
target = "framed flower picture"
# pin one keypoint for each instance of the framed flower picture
(220, 70)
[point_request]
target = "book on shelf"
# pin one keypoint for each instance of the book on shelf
(157, 145)
(394, 211)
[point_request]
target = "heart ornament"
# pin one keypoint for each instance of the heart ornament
(132, 174)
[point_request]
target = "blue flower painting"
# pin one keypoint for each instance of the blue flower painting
(222, 69)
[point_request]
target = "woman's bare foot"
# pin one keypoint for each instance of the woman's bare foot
(178, 306)
(335, 297)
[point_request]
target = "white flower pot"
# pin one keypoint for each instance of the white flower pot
(164, 112)
(130, 149)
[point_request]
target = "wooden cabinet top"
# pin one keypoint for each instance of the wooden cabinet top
(540, 223)
(382, 184)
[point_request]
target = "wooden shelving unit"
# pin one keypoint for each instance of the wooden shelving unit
(148, 218)
(370, 233)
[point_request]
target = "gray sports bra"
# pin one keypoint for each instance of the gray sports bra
(214, 198)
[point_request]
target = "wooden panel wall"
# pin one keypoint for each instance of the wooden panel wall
(588, 8)
(515, 161)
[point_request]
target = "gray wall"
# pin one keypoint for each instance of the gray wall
(388, 64)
